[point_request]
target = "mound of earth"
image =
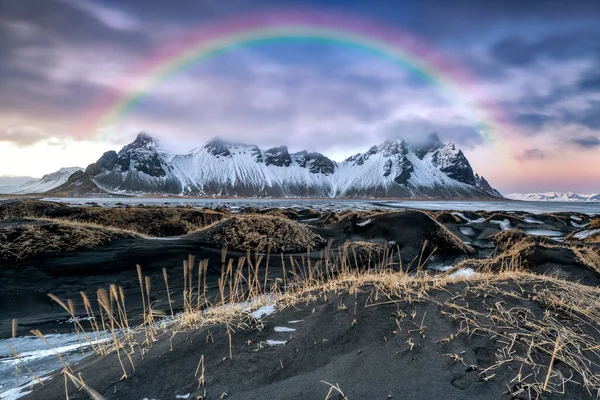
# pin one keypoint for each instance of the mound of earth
(262, 233)
(152, 221)
(21, 241)
(446, 217)
(31, 209)
(505, 240)
(521, 252)
(588, 234)
(280, 212)
(364, 255)
(486, 339)
(414, 233)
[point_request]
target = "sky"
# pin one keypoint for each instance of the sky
(533, 68)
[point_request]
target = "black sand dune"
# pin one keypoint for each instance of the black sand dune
(413, 232)
(66, 273)
(398, 348)
(371, 348)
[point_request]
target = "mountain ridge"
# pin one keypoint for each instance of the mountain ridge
(427, 168)
(555, 196)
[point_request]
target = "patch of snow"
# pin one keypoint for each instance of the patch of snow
(468, 220)
(465, 230)
(576, 218)
(466, 273)
(585, 234)
(530, 220)
(182, 396)
(442, 267)
(364, 223)
(284, 329)
(576, 225)
(504, 224)
(77, 319)
(264, 311)
(276, 342)
(544, 232)
(295, 321)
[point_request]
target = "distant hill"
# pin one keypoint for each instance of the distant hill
(554, 196)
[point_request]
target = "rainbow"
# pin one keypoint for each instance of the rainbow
(453, 81)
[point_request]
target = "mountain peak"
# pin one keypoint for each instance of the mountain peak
(217, 147)
(425, 144)
(143, 141)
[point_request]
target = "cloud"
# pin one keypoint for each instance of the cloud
(519, 51)
(587, 142)
(21, 136)
(531, 154)
(590, 82)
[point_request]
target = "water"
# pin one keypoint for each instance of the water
(534, 207)
(38, 357)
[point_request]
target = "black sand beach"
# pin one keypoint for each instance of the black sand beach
(358, 330)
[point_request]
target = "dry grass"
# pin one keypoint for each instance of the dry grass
(589, 256)
(29, 209)
(58, 236)
(365, 251)
(260, 233)
(505, 240)
(594, 224)
(527, 341)
(152, 221)
(447, 237)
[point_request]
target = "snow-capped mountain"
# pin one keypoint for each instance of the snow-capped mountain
(141, 166)
(44, 184)
(392, 169)
(554, 196)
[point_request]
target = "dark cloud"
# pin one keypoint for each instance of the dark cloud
(534, 120)
(590, 82)
(47, 22)
(21, 135)
(521, 51)
(588, 142)
(41, 39)
(531, 154)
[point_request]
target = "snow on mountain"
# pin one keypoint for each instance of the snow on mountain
(245, 170)
(46, 183)
(395, 168)
(392, 169)
(554, 196)
(141, 166)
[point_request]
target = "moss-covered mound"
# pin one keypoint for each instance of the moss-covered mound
(152, 221)
(23, 241)
(262, 233)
